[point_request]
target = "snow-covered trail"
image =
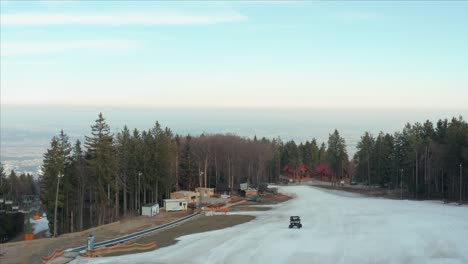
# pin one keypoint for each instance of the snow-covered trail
(336, 229)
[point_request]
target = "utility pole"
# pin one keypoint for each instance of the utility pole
(56, 202)
(401, 184)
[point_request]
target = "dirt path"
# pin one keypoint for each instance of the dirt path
(32, 251)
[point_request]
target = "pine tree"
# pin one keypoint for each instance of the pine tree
(55, 162)
(101, 157)
(124, 152)
(187, 169)
(80, 182)
(336, 153)
(363, 155)
(3, 182)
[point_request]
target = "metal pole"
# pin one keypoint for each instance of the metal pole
(401, 184)
(56, 202)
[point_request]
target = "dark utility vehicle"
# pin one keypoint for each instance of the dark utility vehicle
(295, 221)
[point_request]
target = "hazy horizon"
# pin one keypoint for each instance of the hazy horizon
(294, 70)
(26, 130)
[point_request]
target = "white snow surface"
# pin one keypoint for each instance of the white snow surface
(40, 225)
(336, 229)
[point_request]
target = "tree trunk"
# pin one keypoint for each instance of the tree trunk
(229, 175)
(135, 208)
(216, 172)
(156, 194)
(125, 196)
(417, 175)
(82, 194)
(206, 165)
(116, 198)
(200, 182)
(71, 222)
(56, 203)
(144, 193)
(90, 209)
(177, 171)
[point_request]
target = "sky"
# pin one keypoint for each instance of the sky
(327, 55)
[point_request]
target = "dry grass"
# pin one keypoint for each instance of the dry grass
(198, 225)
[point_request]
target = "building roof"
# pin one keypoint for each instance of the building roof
(186, 192)
(150, 205)
(175, 200)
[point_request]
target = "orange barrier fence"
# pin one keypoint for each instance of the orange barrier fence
(221, 210)
(28, 236)
(218, 205)
(57, 253)
(120, 248)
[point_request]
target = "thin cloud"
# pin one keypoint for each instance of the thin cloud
(37, 48)
(356, 16)
(41, 19)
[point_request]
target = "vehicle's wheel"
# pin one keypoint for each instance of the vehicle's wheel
(290, 226)
(300, 226)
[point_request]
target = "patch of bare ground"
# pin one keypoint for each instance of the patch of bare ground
(248, 208)
(198, 225)
(269, 199)
(32, 251)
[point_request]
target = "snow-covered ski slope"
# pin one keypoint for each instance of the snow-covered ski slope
(337, 228)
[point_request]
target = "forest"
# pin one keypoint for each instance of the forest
(109, 176)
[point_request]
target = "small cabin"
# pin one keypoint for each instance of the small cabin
(190, 197)
(175, 205)
(150, 210)
(204, 192)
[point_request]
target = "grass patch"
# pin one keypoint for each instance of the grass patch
(201, 224)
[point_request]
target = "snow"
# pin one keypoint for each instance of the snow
(336, 229)
(40, 225)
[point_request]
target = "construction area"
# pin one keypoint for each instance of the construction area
(203, 200)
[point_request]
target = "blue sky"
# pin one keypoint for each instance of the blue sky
(385, 55)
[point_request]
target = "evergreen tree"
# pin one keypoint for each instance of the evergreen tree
(101, 158)
(3, 182)
(291, 155)
(314, 152)
(80, 182)
(13, 183)
(55, 162)
(322, 154)
(124, 160)
(336, 153)
(187, 169)
(363, 155)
